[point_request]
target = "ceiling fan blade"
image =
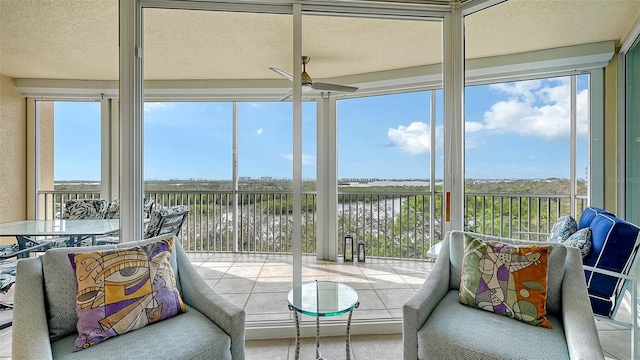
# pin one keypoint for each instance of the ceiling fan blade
(333, 87)
(282, 73)
(287, 95)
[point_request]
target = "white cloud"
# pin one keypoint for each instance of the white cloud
(306, 159)
(470, 144)
(150, 107)
(256, 105)
(414, 139)
(473, 126)
(537, 108)
(259, 131)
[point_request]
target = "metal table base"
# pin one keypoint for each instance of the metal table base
(318, 353)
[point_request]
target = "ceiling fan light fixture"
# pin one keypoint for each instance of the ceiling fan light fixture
(308, 84)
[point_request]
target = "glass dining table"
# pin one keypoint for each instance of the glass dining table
(38, 234)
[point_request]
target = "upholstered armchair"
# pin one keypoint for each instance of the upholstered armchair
(436, 325)
(45, 316)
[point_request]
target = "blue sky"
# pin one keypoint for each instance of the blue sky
(513, 130)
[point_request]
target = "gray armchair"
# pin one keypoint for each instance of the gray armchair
(437, 326)
(45, 316)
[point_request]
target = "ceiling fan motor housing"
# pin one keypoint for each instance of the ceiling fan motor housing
(306, 79)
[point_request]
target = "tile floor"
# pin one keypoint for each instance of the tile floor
(260, 283)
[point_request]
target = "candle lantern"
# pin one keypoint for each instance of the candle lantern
(347, 248)
(361, 253)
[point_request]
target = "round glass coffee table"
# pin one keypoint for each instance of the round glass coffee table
(322, 298)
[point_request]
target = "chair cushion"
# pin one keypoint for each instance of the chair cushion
(455, 331)
(582, 240)
(7, 250)
(564, 227)
(614, 243)
(113, 211)
(589, 214)
(85, 209)
(506, 279)
(121, 290)
(147, 206)
(7, 274)
(189, 336)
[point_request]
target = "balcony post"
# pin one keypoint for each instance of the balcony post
(453, 81)
(297, 145)
(327, 184)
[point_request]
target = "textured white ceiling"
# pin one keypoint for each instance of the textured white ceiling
(78, 39)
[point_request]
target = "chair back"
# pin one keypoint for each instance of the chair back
(167, 220)
(85, 209)
(589, 214)
(147, 206)
(113, 211)
(615, 245)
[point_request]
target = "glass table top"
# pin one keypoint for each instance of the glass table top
(323, 298)
(59, 227)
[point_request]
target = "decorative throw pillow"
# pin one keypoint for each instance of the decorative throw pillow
(582, 240)
(120, 290)
(506, 279)
(564, 227)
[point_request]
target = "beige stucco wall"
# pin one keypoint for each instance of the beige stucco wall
(13, 153)
(611, 134)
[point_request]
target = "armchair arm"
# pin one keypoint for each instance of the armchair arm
(416, 311)
(577, 316)
(30, 326)
(608, 272)
(195, 292)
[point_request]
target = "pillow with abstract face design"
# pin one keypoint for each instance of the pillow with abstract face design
(121, 290)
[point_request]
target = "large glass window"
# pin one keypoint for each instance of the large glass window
(385, 149)
(188, 141)
(632, 178)
(76, 145)
(265, 155)
(69, 158)
(387, 140)
(518, 153)
(188, 161)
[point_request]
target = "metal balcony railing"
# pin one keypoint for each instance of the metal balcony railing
(400, 225)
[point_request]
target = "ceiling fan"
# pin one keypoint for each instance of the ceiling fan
(308, 84)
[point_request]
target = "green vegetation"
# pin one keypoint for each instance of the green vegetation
(393, 221)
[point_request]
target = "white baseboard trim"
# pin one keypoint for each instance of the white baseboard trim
(287, 329)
